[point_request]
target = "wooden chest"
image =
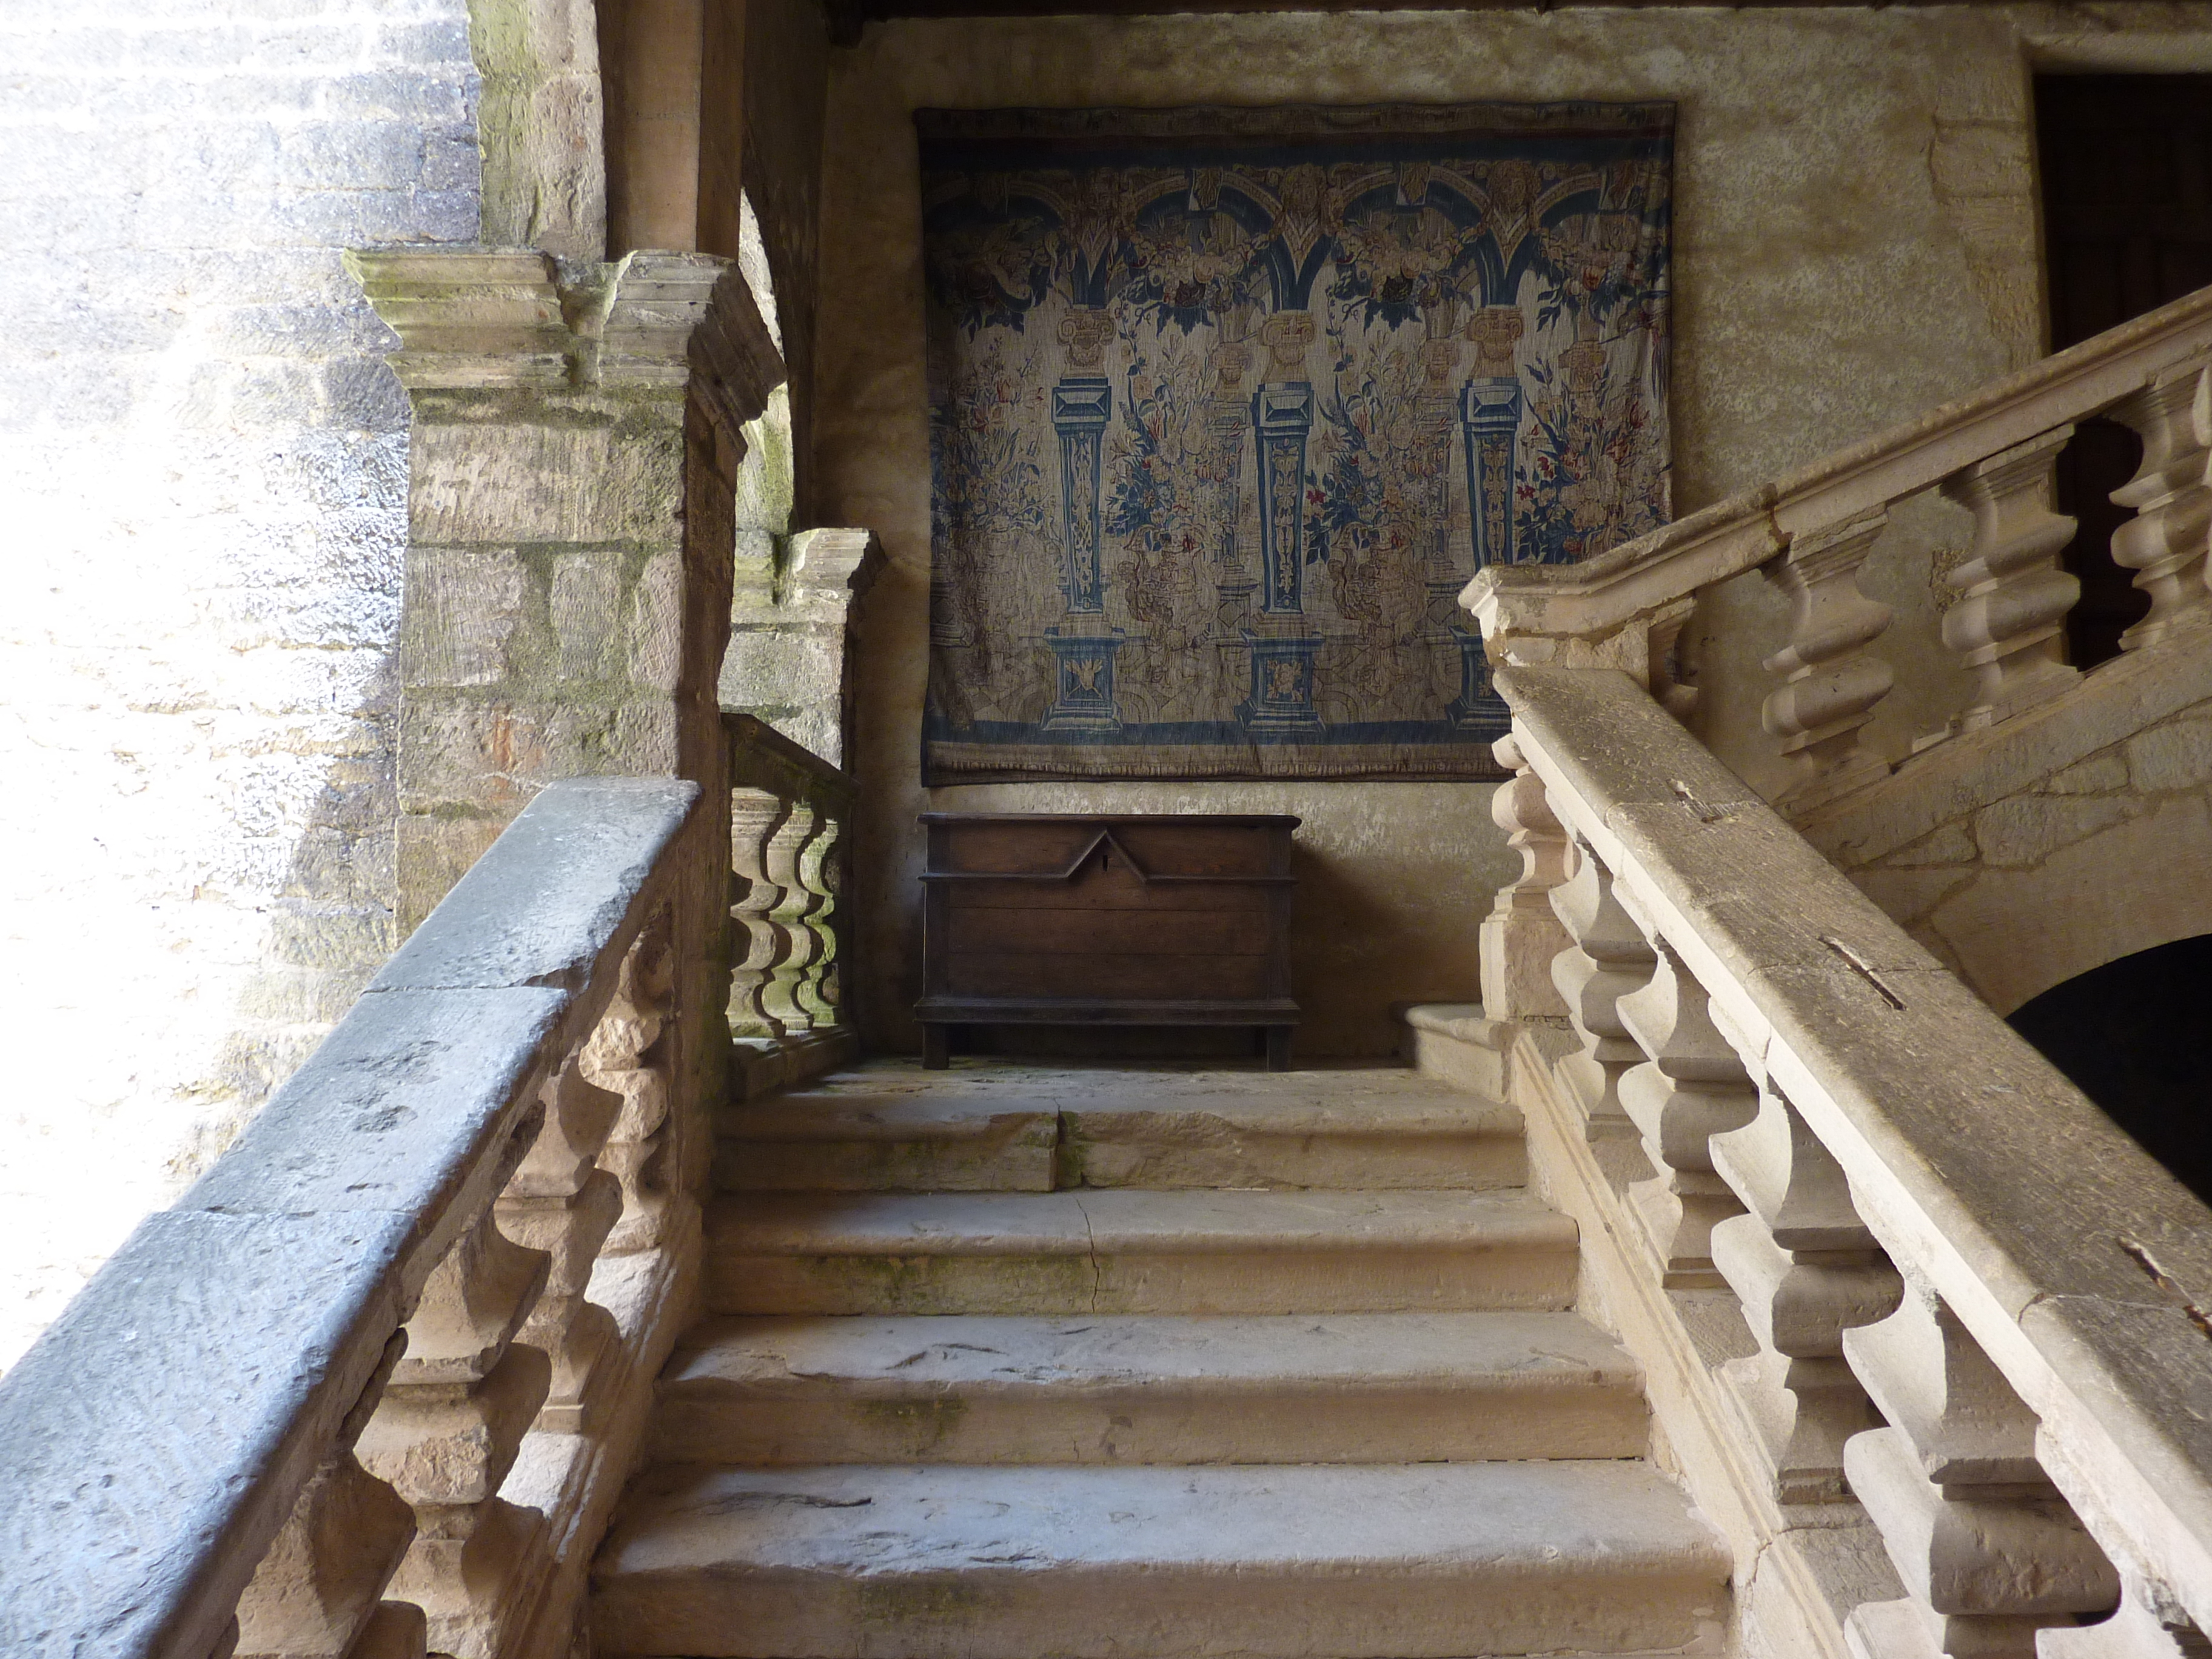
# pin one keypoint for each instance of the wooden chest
(1107, 919)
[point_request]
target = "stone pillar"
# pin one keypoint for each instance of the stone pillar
(791, 638)
(573, 461)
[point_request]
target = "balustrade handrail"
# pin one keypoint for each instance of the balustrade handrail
(1670, 564)
(158, 1436)
(790, 813)
(762, 757)
(2078, 1265)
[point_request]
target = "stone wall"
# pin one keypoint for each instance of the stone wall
(1854, 242)
(2056, 841)
(204, 471)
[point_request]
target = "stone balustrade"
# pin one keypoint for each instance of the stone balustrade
(371, 1387)
(2003, 604)
(789, 810)
(1924, 1326)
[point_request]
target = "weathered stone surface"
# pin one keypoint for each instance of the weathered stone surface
(2027, 829)
(847, 1141)
(1345, 1388)
(1907, 895)
(1137, 1252)
(889, 1127)
(2098, 776)
(1432, 1560)
(2175, 756)
(542, 905)
(393, 1113)
(133, 1526)
(2140, 882)
(609, 473)
(1951, 844)
(2013, 756)
(540, 126)
(1455, 1042)
(1372, 1131)
(490, 755)
(792, 635)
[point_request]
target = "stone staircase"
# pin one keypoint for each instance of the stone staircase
(1016, 1361)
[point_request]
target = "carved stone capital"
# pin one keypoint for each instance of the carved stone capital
(487, 318)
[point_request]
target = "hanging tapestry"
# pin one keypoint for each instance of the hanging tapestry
(1228, 405)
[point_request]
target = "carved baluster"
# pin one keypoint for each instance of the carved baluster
(1989, 1550)
(1691, 1088)
(2010, 624)
(449, 1425)
(318, 1590)
(1806, 1270)
(789, 851)
(560, 1202)
(821, 871)
(627, 1055)
(1834, 683)
(1606, 959)
(2165, 543)
(757, 818)
(1521, 935)
(2151, 1623)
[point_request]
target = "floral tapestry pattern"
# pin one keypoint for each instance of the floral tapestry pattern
(1227, 405)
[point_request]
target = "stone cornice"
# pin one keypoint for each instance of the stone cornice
(836, 566)
(486, 318)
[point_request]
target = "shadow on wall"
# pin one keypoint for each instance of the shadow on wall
(331, 926)
(2126, 1033)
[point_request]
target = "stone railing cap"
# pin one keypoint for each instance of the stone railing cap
(1745, 530)
(1997, 1178)
(544, 903)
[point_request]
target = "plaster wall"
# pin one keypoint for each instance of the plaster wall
(1854, 241)
(204, 473)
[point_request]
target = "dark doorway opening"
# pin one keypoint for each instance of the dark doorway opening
(2126, 165)
(2128, 1035)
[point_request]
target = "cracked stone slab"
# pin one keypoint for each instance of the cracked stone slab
(835, 1139)
(1370, 1128)
(1122, 1251)
(1342, 1387)
(1393, 1561)
(1364, 1134)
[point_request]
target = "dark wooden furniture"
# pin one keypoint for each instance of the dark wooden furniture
(1107, 919)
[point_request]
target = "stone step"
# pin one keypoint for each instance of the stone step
(1029, 1129)
(1374, 1131)
(1389, 1561)
(834, 1140)
(1126, 1252)
(1341, 1388)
